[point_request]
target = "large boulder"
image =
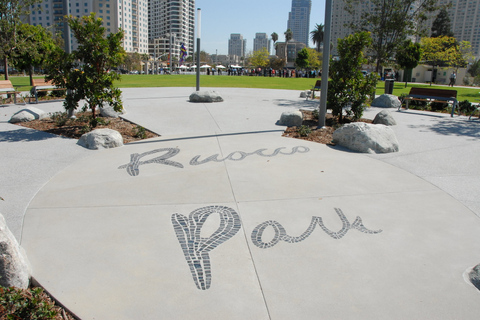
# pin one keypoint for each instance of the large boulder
(101, 139)
(205, 96)
(385, 117)
(291, 118)
(15, 269)
(28, 114)
(367, 138)
(474, 276)
(386, 101)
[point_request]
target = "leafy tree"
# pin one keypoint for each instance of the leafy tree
(274, 37)
(10, 19)
(348, 86)
(446, 51)
(33, 49)
(259, 58)
(314, 58)
(84, 72)
(302, 59)
(288, 36)
(442, 26)
(277, 63)
(317, 35)
(390, 22)
(132, 61)
(474, 68)
(408, 56)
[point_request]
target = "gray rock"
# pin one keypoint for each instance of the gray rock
(367, 138)
(205, 96)
(28, 114)
(15, 269)
(474, 276)
(291, 118)
(101, 139)
(385, 117)
(305, 94)
(108, 111)
(386, 101)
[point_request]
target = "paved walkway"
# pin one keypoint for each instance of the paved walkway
(222, 218)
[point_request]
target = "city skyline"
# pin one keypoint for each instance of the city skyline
(220, 19)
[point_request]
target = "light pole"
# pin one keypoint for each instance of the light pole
(322, 112)
(199, 15)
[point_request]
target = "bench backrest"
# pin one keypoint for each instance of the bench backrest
(444, 93)
(5, 84)
(42, 82)
(318, 84)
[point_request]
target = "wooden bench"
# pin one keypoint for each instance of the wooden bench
(432, 95)
(6, 87)
(42, 85)
(316, 87)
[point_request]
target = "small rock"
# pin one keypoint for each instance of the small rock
(367, 138)
(101, 139)
(291, 118)
(28, 114)
(15, 269)
(305, 94)
(205, 96)
(108, 111)
(384, 117)
(386, 101)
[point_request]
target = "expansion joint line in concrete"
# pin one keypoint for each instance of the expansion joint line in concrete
(244, 231)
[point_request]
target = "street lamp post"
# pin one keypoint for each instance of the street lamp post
(325, 64)
(199, 14)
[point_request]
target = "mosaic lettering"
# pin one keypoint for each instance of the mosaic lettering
(240, 155)
(281, 233)
(132, 167)
(195, 248)
(134, 164)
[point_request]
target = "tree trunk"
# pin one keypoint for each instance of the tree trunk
(5, 64)
(30, 73)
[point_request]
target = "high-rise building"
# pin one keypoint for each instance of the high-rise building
(129, 15)
(465, 19)
(171, 23)
(299, 20)
(237, 45)
(261, 41)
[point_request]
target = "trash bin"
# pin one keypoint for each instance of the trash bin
(389, 86)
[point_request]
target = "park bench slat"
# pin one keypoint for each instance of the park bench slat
(432, 95)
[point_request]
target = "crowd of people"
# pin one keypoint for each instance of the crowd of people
(264, 72)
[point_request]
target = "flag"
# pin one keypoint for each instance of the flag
(183, 53)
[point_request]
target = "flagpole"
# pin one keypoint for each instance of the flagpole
(199, 13)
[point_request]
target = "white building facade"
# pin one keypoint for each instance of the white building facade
(171, 23)
(128, 15)
(261, 41)
(237, 45)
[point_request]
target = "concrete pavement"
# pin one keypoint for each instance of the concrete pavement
(221, 217)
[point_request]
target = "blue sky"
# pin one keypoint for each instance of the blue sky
(220, 18)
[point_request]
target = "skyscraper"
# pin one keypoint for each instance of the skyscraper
(236, 45)
(171, 21)
(261, 41)
(130, 15)
(299, 20)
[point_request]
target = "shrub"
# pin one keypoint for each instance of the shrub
(60, 118)
(438, 106)
(304, 131)
(140, 132)
(466, 107)
(26, 304)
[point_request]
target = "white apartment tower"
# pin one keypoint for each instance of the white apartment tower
(237, 45)
(128, 15)
(465, 19)
(171, 23)
(261, 41)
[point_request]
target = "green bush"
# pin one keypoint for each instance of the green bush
(140, 132)
(438, 106)
(466, 107)
(60, 118)
(32, 304)
(304, 131)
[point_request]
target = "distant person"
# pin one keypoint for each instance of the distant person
(453, 78)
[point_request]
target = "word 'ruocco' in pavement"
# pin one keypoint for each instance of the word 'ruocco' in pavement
(134, 164)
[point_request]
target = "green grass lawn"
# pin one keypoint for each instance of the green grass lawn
(143, 81)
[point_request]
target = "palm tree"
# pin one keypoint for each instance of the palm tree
(275, 39)
(288, 37)
(317, 35)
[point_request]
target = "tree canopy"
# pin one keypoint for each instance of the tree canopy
(259, 58)
(390, 22)
(85, 72)
(442, 26)
(446, 51)
(317, 35)
(10, 19)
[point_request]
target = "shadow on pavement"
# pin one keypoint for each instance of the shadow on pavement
(447, 127)
(25, 135)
